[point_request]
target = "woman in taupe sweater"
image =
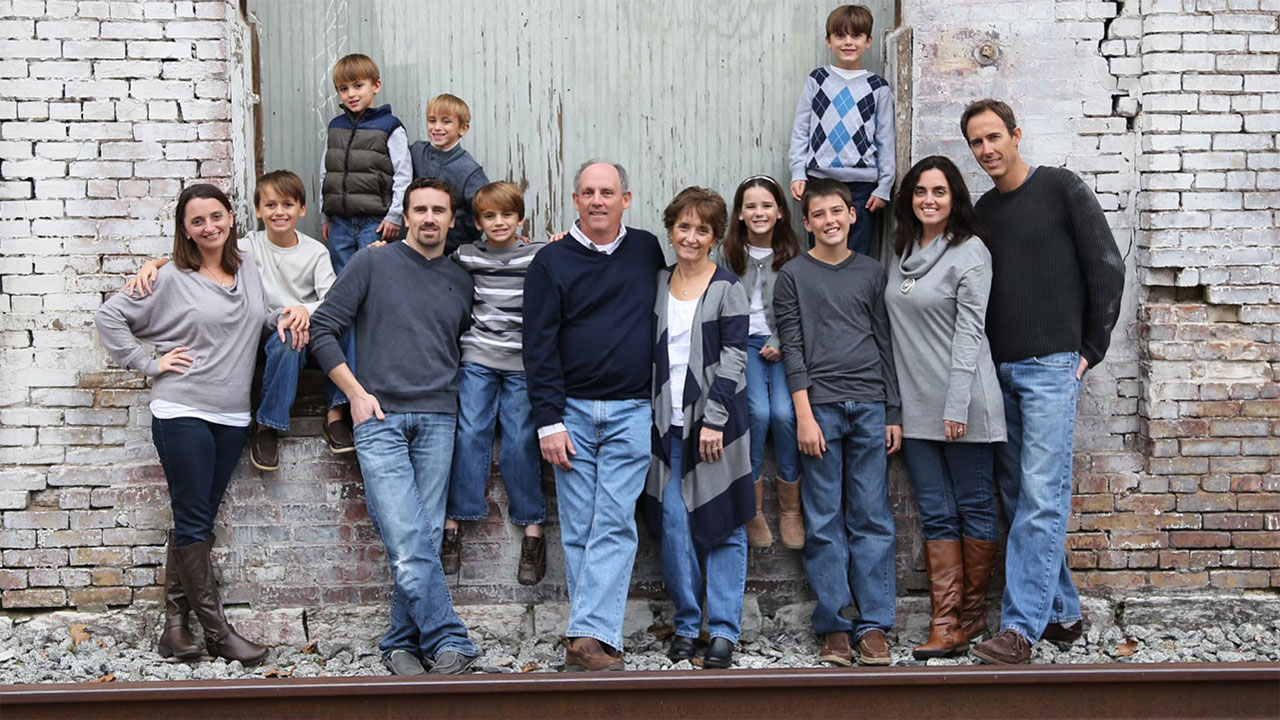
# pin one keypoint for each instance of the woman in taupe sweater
(952, 411)
(205, 320)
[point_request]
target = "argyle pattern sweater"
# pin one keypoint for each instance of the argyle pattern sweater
(844, 130)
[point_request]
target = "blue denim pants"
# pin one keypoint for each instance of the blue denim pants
(596, 500)
(725, 566)
(848, 521)
(770, 409)
(1033, 470)
(198, 458)
(955, 488)
(405, 463)
(347, 236)
(486, 395)
(280, 382)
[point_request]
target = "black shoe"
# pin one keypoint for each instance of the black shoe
(451, 551)
(682, 648)
(403, 662)
(451, 662)
(264, 449)
(719, 654)
(1063, 635)
(533, 560)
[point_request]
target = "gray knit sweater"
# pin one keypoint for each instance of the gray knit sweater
(222, 326)
(937, 303)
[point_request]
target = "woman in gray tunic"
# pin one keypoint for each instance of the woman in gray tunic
(952, 413)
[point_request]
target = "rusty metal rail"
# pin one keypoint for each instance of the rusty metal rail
(1238, 690)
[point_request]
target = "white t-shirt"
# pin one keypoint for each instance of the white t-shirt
(759, 323)
(166, 410)
(679, 332)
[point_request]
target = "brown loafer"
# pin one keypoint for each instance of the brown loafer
(835, 650)
(588, 654)
(264, 449)
(873, 649)
(451, 551)
(533, 560)
(340, 436)
(1063, 635)
(1008, 647)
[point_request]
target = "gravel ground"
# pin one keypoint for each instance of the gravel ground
(41, 652)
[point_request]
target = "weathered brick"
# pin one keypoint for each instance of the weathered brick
(43, 598)
(110, 556)
(1256, 540)
(1198, 539)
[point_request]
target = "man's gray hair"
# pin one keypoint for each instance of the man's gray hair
(623, 180)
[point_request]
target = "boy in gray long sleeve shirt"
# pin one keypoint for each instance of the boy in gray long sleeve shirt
(829, 305)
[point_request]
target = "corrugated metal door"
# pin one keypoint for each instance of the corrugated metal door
(680, 92)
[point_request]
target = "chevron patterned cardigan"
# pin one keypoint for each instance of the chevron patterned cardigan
(720, 495)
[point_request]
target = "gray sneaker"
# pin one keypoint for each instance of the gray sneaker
(451, 662)
(403, 662)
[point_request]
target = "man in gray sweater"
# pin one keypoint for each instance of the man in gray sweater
(409, 305)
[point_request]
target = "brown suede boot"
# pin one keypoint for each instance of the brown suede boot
(790, 522)
(196, 570)
(979, 559)
(944, 560)
(758, 535)
(175, 640)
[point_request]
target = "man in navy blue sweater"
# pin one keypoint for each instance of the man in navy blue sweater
(588, 351)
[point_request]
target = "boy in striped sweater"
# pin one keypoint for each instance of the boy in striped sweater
(491, 386)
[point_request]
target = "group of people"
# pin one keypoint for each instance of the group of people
(644, 383)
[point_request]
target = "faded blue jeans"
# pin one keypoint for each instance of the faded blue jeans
(725, 566)
(769, 405)
(405, 463)
(280, 382)
(848, 521)
(486, 396)
(347, 236)
(597, 505)
(1033, 470)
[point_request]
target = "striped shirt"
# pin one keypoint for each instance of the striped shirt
(496, 337)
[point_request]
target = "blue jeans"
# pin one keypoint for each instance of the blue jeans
(862, 231)
(955, 488)
(347, 236)
(280, 382)
(848, 521)
(405, 463)
(770, 408)
(597, 505)
(1033, 470)
(486, 395)
(198, 458)
(682, 569)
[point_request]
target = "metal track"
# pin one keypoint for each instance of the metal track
(1237, 690)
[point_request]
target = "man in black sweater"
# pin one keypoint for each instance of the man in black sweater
(409, 305)
(1055, 296)
(588, 352)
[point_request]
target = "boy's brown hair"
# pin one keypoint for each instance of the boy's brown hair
(977, 107)
(353, 67)
(824, 187)
(284, 183)
(850, 20)
(501, 196)
(452, 105)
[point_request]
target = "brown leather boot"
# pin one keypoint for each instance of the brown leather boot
(175, 640)
(196, 570)
(758, 535)
(944, 560)
(979, 559)
(790, 522)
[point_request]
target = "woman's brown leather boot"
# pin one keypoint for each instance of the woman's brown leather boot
(175, 640)
(979, 559)
(944, 560)
(221, 640)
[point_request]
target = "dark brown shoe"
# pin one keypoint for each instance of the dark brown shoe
(339, 436)
(588, 654)
(264, 449)
(1008, 647)
(451, 551)
(979, 559)
(1063, 635)
(873, 649)
(175, 641)
(196, 570)
(835, 650)
(533, 560)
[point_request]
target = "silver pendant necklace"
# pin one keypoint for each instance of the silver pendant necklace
(907, 284)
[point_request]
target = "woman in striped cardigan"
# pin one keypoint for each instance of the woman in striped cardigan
(699, 493)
